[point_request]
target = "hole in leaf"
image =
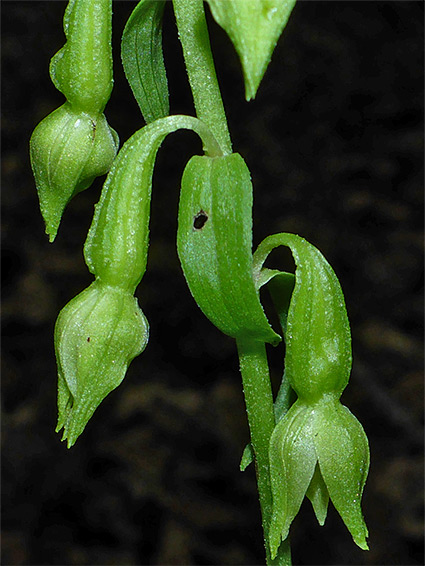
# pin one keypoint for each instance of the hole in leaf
(199, 220)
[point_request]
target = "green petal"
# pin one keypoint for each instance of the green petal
(60, 147)
(105, 147)
(318, 494)
(343, 454)
(292, 463)
(65, 400)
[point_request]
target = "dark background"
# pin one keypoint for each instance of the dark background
(334, 142)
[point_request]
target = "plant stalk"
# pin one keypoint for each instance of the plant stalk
(259, 406)
(193, 34)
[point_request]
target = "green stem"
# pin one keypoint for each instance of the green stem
(259, 406)
(193, 34)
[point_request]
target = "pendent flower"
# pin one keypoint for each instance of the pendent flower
(75, 144)
(320, 451)
(97, 335)
(318, 448)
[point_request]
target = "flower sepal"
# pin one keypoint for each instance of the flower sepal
(319, 450)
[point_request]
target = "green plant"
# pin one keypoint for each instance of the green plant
(313, 446)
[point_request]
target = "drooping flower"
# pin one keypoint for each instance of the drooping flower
(319, 450)
(97, 335)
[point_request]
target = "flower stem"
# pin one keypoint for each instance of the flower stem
(259, 406)
(193, 34)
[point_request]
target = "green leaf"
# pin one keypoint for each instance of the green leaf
(318, 340)
(82, 69)
(254, 26)
(247, 457)
(214, 242)
(143, 61)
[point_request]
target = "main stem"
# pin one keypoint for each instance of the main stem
(259, 406)
(193, 34)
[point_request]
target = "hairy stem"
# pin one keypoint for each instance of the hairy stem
(259, 406)
(193, 34)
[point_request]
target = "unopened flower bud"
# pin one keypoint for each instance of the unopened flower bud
(97, 335)
(69, 150)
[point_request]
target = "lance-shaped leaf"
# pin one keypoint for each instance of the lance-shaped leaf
(254, 26)
(214, 242)
(97, 334)
(82, 69)
(143, 61)
(68, 150)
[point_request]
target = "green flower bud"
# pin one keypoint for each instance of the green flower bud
(97, 335)
(68, 150)
(321, 451)
(254, 27)
(74, 145)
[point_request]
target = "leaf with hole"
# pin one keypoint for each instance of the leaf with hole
(214, 243)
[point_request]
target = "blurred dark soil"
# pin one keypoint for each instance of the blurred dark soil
(334, 141)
